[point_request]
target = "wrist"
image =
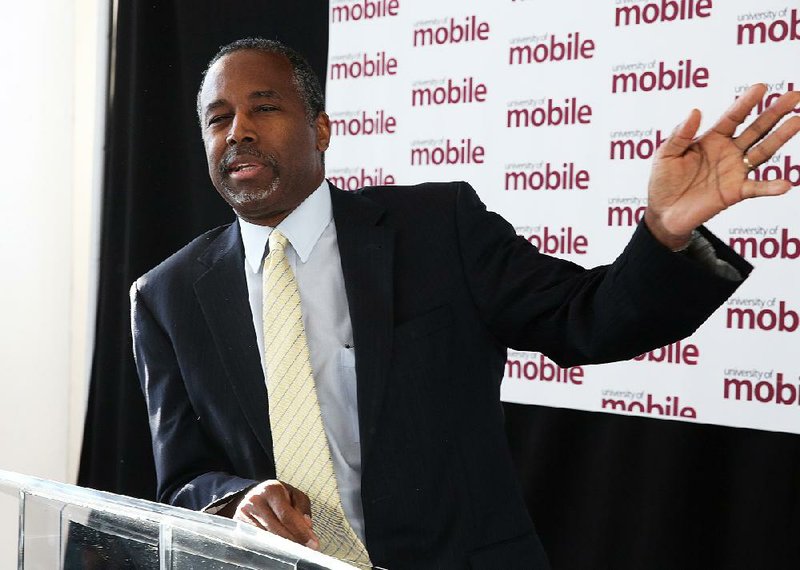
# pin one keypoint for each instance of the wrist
(685, 247)
(676, 242)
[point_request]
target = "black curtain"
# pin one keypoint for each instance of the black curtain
(615, 492)
(605, 492)
(157, 194)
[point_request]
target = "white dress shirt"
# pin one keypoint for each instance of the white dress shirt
(313, 254)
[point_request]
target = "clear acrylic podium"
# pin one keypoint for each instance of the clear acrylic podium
(64, 526)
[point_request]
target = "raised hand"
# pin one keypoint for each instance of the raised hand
(693, 179)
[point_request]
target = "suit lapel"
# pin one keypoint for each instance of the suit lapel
(367, 253)
(222, 294)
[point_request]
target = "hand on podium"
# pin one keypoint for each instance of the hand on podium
(278, 508)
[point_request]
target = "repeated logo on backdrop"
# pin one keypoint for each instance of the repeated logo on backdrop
(554, 113)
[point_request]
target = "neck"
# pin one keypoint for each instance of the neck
(275, 217)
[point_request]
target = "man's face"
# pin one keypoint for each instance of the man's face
(263, 154)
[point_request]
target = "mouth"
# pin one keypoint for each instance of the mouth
(246, 163)
(243, 166)
(244, 170)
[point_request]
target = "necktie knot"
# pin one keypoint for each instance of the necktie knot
(277, 241)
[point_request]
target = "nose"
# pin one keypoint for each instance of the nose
(241, 131)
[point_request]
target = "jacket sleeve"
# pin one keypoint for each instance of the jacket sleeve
(647, 298)
(192, 472)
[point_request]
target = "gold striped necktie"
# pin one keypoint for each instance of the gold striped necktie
(302, 455)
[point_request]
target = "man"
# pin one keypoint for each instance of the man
(409, 298)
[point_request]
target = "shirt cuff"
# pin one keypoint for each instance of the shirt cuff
(702, 251)
(217, 507)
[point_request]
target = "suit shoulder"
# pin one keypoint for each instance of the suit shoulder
(424, 189)
(184, 263)
(428, 195)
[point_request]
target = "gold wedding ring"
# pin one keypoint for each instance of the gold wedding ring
(750, 167)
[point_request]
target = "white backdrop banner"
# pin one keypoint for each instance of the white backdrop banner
(552, 111)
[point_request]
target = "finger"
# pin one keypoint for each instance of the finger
(292, 519)
(682, 136)
(765, 149)
(301, 502)
(738, 112)
(264, 519)
(768, 119)
(755, 188)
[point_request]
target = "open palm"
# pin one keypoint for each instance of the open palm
(693, 179)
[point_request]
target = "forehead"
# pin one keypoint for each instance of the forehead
(243, 72)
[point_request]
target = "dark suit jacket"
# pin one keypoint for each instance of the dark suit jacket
(438, 288)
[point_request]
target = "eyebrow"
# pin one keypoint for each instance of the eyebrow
(267, 94)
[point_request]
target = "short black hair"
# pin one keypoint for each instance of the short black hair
(304, 77)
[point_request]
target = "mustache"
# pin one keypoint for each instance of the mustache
(233, 153)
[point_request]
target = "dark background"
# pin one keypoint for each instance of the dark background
(604, 491)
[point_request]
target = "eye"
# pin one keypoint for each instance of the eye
(214, 119)
(266, 108)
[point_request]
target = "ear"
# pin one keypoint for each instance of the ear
(323, 127)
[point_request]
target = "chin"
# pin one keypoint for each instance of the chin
(250, 197)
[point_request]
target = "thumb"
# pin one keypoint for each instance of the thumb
(754, 188)
(682, 136)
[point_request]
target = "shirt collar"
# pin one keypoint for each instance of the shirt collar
(302, 227)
